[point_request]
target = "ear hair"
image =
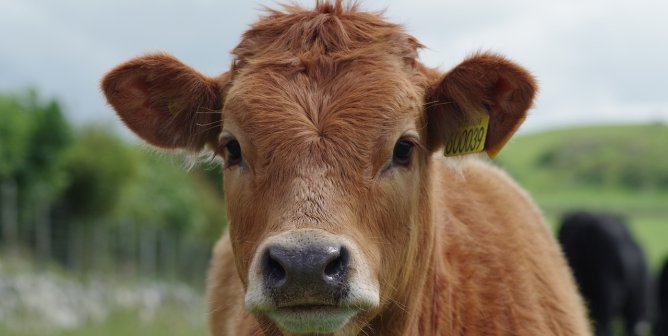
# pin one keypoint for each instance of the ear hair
(167, 103)
(483, 83)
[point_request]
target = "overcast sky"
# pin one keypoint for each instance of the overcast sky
(596, 61)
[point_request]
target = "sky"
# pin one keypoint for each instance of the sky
(597, 62)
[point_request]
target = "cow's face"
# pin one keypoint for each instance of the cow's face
(323, 176)
(327, 144)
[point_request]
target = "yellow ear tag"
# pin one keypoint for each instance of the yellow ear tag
(469, 138)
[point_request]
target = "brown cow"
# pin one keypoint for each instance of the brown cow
(344, 216)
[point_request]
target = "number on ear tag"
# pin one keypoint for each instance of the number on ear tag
(469, 138)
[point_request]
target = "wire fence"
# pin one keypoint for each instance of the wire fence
(118, 249)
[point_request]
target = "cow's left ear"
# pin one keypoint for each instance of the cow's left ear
(484, 85)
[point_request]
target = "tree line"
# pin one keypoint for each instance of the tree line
(86, 199)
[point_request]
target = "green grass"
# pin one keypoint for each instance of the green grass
(522, 150)
(167, 322)
(652, 233)
(555, 190)
(170, 323)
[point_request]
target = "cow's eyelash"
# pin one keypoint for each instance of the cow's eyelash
(415, 141)
(222, 143)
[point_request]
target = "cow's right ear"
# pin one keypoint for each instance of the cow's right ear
(165, 102)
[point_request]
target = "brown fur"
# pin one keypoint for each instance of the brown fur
(317, 100)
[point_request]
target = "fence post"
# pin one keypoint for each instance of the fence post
(75, 250)
(130, 244)
(166, 257)
(8, 202)
(147, 252)
(100, 248)
(43, 229)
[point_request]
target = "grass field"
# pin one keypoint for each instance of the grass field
(646, 208)
(168, 322)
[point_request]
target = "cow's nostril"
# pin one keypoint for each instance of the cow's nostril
(313, 270)
(273, 271)
(336, 268)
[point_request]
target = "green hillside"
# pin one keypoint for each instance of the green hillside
(623, 169)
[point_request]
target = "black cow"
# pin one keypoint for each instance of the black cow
(610, 270)
(662, 287)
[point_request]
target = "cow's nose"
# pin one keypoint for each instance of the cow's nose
(315, 269)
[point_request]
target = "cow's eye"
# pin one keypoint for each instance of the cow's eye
(233, 156)
(403, 151)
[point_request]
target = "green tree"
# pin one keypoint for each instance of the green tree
(34, 135)
(99, 166)
(14, 130)
(42, 173)
(167, 197)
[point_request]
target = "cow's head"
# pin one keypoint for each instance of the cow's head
(326, 124)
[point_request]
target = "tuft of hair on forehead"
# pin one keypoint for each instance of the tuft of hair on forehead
(331, 80)
(293, 36)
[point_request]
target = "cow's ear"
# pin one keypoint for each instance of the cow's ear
(483, 87)
(167, 103)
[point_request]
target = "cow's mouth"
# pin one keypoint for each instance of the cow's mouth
(309, 319)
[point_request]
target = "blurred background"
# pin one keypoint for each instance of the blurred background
(100, 235)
